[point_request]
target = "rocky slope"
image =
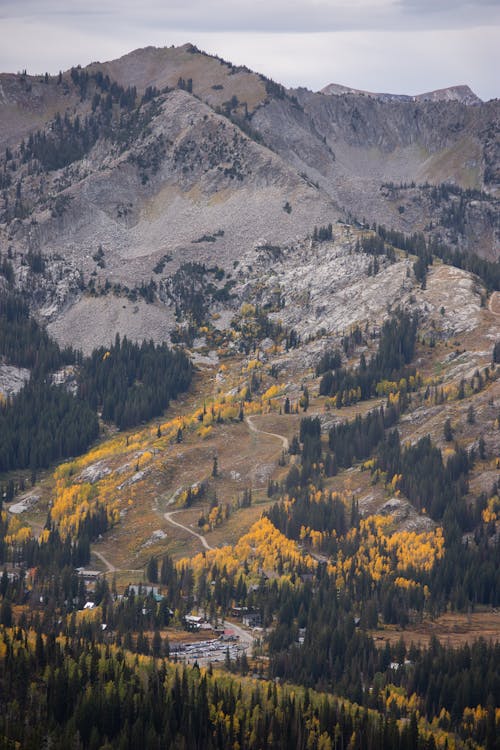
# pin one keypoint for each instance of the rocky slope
(130, 184)
(462, 94)
(353, 146)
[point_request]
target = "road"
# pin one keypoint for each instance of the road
(246, 638)
(111, 568)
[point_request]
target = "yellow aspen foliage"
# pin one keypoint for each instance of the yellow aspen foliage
(205, 432)
(316, 538)
(405, 583)
(229, 413)
(208, 419)
(273, 392)
(44, 536)
(252, 407)
(382, 552)
(263, 549)
(385, 387)
(247, 310)
(395, 482)
(74, 502)
(488, 515)
(494, 504)
(252, 365)
(20, 536)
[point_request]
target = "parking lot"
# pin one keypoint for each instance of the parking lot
(213, 650)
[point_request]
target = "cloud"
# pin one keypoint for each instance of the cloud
(403, 46)
(278, 16)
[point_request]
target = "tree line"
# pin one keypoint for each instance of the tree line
(391, 362)
(129, 383)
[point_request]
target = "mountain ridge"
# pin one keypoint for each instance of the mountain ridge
(461, 93)
(121, 174)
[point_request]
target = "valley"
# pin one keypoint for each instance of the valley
(249, 411)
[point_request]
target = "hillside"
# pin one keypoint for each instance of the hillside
(373, 156)
(120, 174)
(249, 412)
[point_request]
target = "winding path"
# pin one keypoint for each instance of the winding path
(168, 515)
(170, 520)
(494, 303)
(112, 568)
(253, 428)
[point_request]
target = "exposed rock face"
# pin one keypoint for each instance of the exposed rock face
(461, 94)
(12, 379)
(406, 517)
(356, 147)
(206, 163)
(191, 175)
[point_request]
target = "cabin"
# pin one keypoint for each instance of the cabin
(252, 619)
(192, 622)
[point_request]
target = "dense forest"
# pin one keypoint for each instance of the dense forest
(131, 383)
(81, 694)
(391, 362)
(43, 424)
(23, 342)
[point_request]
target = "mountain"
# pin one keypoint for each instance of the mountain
(249, 413)
(124, 174)
(356, 147)
(463, 94)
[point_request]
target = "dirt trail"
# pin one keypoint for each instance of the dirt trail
(169, 515)
(170, 520)
(112, 568)
(494, 303)
(253, 428)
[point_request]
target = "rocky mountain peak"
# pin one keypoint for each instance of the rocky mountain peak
(127, 182)
(461, 93)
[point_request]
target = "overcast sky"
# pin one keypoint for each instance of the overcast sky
(398, 46)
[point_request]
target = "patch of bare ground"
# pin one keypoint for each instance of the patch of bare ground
(244, 459)
(12, 379)
(330, 415)
(286, 425)
(35, 502)
(451, 629)
(494, 305)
